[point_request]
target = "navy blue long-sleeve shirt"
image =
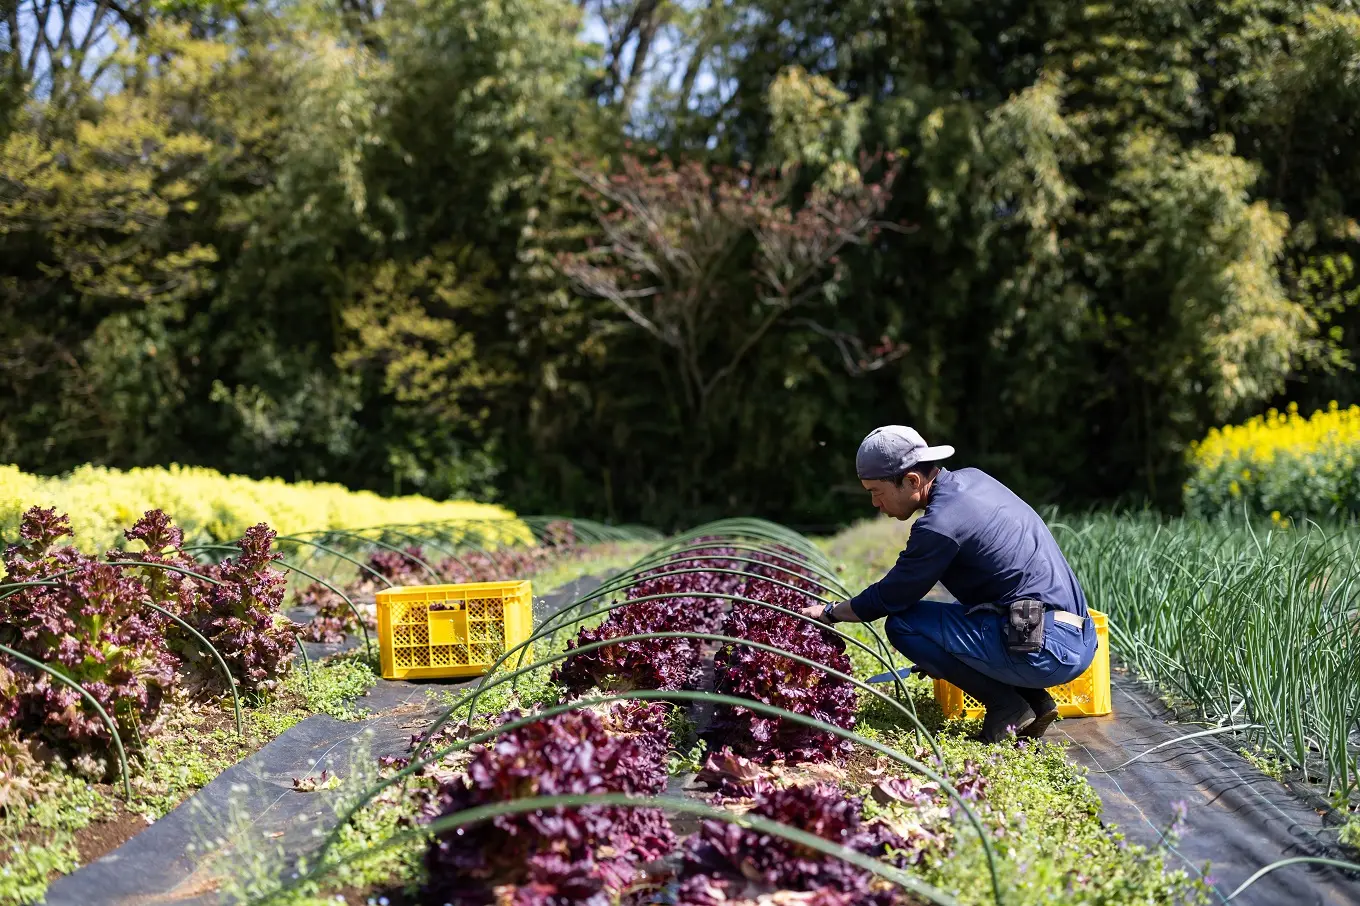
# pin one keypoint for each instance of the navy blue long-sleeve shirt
(982, 543)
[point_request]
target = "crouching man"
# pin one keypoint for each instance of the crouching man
(1020, 624)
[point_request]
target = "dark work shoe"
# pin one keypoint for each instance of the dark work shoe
(1001, 718)
(1045, 711)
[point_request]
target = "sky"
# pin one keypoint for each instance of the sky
(664, 46)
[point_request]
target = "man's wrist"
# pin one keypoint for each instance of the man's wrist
(829, 613)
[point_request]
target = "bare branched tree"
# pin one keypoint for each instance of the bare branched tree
(674, 237)
(61, 49)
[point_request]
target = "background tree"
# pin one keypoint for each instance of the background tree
(326, 239)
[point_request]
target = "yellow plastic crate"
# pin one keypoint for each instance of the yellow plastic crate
(430, 631)
(1086, 696)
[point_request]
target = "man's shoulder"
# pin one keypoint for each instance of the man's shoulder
(964, 496)
(972, 475)
(975, 496)
(957, 486)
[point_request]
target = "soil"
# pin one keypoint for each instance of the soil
(100, 837)
(865, 767)
(206, 721)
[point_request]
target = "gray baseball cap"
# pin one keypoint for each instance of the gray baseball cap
(889, 451)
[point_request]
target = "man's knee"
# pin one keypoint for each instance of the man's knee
(906, 637)
(927, 654)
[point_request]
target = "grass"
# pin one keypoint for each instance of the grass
(198, 743)
(604, 559)
(866, 550)
(41, 843)
(1238, 626)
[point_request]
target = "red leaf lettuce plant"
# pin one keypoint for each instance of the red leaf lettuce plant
(775, 680)
(652, 663)
(238, 614)
(90, 625)
(562, 855)
(728, 864)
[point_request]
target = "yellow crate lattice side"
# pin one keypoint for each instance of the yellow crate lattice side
(1086, 696)
(431, 631)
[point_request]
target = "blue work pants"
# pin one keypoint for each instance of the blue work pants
(969, 650)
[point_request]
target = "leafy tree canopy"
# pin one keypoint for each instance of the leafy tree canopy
(661, 260)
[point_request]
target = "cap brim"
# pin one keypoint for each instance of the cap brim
(935, 454)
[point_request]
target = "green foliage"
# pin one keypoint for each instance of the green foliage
(812, 121)
(1350, 832)
(1235, 623)
(39, 841)
(1084, 219)
(97, 262)
(1049, 818)
(318, 240)
(689, 761)
(335, 683)
(1273, 768)
(1044, 817)
(23, 877)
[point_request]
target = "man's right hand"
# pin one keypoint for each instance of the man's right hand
(814, 611)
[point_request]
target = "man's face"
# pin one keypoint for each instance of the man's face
(894, 501)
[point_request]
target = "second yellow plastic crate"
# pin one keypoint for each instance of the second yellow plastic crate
(431, 631)
(1086, 696)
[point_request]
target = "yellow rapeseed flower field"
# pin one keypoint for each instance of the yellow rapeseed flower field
(1261, 438)
(208, 505)
(1282, 464)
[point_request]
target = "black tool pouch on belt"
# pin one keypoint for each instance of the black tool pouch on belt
(1025, 627)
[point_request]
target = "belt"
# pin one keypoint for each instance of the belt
(1071, 619)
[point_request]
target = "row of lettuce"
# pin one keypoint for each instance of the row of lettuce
(101, 647)
(704, 637)
(616, 854)
(630, 855)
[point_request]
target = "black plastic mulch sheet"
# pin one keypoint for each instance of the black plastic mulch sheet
(254, 800)
(1237, 818)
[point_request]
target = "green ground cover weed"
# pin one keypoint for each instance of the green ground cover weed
(198, 743)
